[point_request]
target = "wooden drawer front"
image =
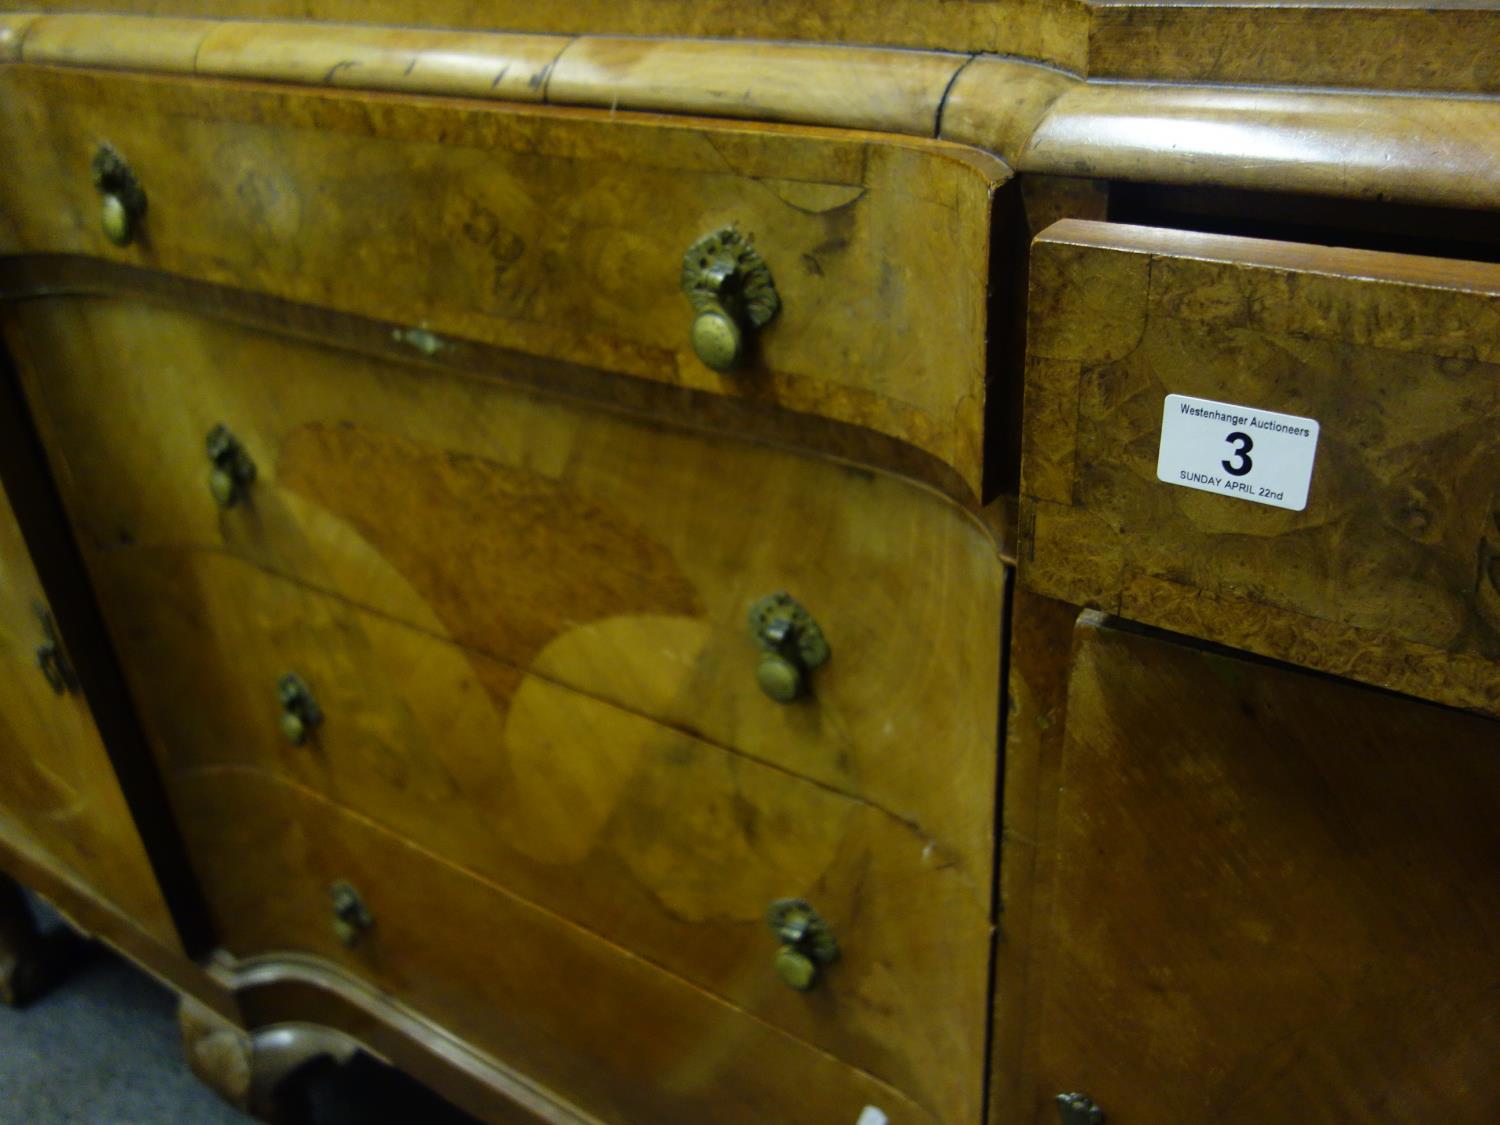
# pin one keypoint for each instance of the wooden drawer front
(608, 555)
(662, 843)
(1392, 572)
(59, 800)
(612, 1034)
(526, 625)
(557, 233)
(1274, 898)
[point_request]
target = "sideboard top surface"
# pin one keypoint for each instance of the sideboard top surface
(1448, 45)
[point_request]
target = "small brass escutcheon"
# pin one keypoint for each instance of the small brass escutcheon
(233, 472)
(351, 918)
(791, 645)
(807, 943)
(730, 288)
(300, 712)
(122, 203)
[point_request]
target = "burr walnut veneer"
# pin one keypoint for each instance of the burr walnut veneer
(624, 560)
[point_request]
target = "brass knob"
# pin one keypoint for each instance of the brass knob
(779, 677)
(730, 288)
(122, 204)
(351, 918)
(293, 728)
(232, 472)
(796, 969)
(807, 944)
(791, 644)
(717, 339)
(114, 217)
(300, 712)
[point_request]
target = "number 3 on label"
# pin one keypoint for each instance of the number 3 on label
(1241, 454)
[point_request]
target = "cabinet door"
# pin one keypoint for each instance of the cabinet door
(1274, 895)
(60, 804)
(1285, 448)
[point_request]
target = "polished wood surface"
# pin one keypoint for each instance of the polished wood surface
(667, 846)
(1385, 147)
(857, 88)
(1390, 575)
(622, 1039)
(613, 556)
(562, 234)
(601, 721)
(317, 997)
(1272, 896)
(1412, 145)
(58, 792)
(1037, 687)
(1394, 44)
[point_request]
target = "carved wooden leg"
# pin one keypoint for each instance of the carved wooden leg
(217, 1051)
(31, 962)
(250, 1071)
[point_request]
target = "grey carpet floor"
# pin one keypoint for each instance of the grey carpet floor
(101, 1049)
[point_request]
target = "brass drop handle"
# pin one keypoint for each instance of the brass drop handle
(51, 658)
(730, 288)
(807, 944)
(791, 646)
(351, 918)
(122, 203)
(232, 472)
(300, 712)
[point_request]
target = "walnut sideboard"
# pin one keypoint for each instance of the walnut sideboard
(816, 563)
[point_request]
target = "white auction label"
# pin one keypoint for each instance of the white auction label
(1256, 455)
(872, 1116)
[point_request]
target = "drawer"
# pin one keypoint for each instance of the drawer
(59, 800)
(525, 622)
(1370, 379)
(615, 556)
(558, 233)
(661, 843)
(623, 1040)
(1279, 905)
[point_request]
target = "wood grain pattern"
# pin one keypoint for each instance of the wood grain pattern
(665, 845)
(1036, 708)
(1441, 47)
(1273, 896)
(561, 234)
(1054, 30)
(857, 88)
(466, 64)
(1448, 47)
(1390, 574)
(897, 91)
(1404, 148)
(1418, 148)
(614, 556)
(58, 793)
(109, 41)
(578, 551)
(624, 1040)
